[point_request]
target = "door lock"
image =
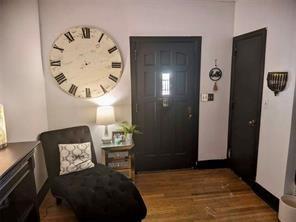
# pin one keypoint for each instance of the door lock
(252, 123)
(164, 101)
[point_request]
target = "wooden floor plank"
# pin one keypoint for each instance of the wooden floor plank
(187, 195)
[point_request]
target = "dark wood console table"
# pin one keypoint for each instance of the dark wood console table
(17, 183)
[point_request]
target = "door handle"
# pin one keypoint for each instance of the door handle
(189, 109)
(252, 123)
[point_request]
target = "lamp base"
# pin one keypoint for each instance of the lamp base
(106, 139)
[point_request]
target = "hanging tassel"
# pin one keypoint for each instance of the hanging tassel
(215, 88)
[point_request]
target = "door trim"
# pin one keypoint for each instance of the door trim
(263, 34)
(197, 40)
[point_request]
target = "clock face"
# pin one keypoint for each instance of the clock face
(85, 62)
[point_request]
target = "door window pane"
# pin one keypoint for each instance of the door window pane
(165, 84)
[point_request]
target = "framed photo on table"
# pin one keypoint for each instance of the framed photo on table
(118, 137)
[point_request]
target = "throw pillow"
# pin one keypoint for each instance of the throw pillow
(75, 157)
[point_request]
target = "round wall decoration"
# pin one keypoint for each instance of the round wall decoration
(85, 62)
(215, 74)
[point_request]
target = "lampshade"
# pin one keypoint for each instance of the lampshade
(105, 115)
(3, 136)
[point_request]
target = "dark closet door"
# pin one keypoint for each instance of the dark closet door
(245, 107)
(165, 85)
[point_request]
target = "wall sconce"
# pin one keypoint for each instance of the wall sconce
(276, 81)
(3, 135)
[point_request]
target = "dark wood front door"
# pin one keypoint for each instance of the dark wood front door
(165, 89)
(245, 106)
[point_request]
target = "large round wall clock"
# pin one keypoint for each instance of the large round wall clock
(85, 62)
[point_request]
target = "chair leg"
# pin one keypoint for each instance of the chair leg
(58, 201)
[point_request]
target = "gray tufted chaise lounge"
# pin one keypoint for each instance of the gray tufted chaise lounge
(95, 194)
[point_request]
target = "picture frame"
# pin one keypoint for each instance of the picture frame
(3, 134)
(118, 134)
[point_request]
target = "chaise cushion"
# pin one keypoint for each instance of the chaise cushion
(100, 194)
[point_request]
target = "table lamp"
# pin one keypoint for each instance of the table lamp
(105, 116)
(3, 136)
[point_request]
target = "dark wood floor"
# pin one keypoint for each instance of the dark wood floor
(187, 195)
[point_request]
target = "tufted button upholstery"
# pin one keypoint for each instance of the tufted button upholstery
(100, 193)
(95, 194)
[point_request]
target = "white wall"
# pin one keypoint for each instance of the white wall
(279, 18)
(1, 55)
(290, 186)
(213, 20)
(23, 89)
(21, 66)
(1, 76)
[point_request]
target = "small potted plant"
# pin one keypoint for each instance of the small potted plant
(129, 130)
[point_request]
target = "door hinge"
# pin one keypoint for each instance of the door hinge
(235, 51)
(229, 153)
(232, 106)
(137, 109)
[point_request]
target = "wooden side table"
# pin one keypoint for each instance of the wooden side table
(120, 158)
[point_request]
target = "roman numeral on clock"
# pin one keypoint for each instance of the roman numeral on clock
(112, 49)
(55, 63)
(87, 92)
(86, 32)
(60, 78)
(104, 90)
(100, 39)
(58, 48)
(113, 78)
(69, 36)
(116, 64)
(73, 89)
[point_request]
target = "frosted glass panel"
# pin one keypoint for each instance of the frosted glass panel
(165, 84)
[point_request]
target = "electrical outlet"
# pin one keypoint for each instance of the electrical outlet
(211, 97)
(204, 97)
